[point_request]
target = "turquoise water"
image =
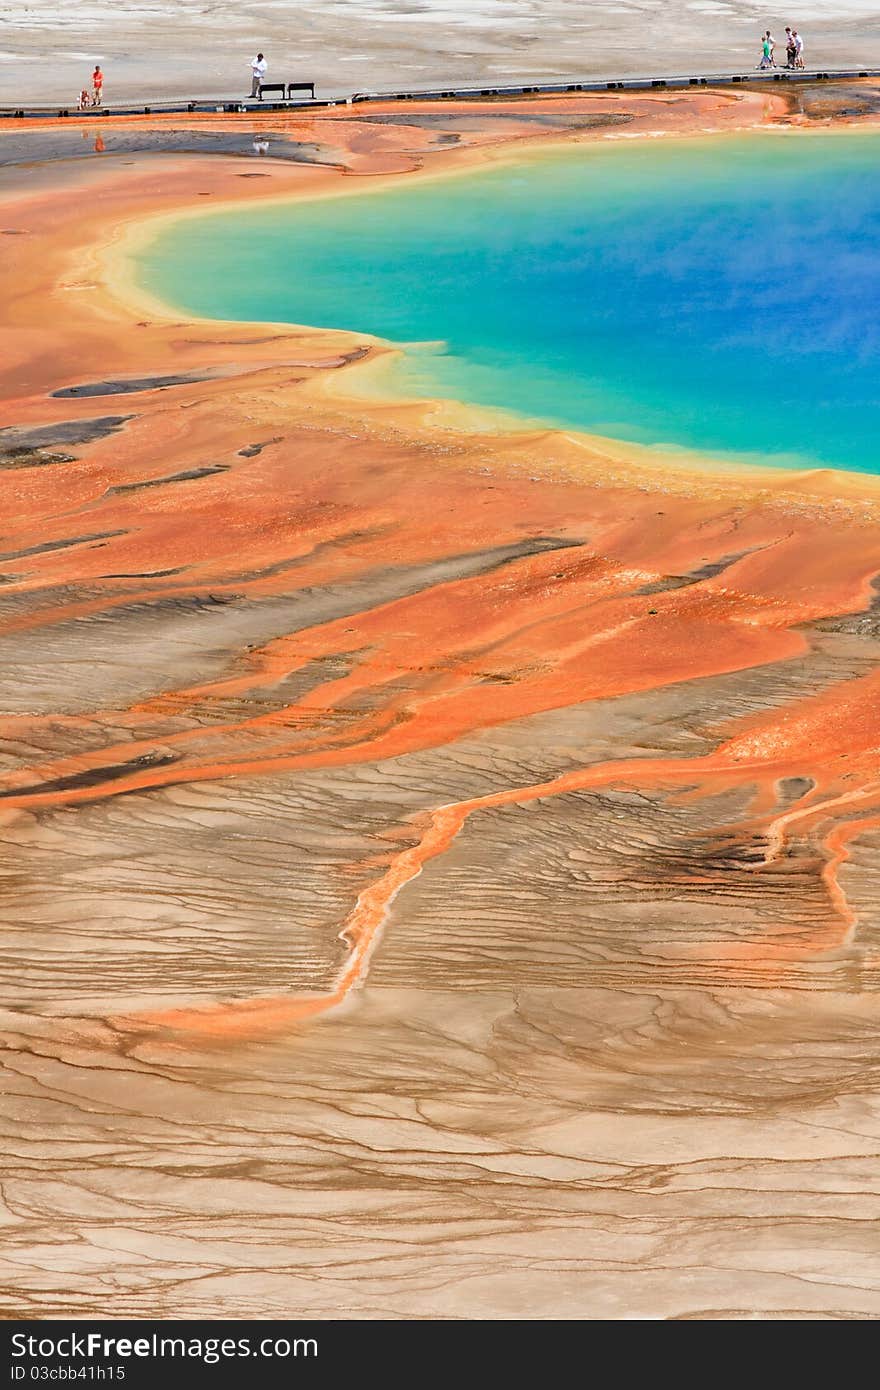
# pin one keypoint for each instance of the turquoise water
(719, 295)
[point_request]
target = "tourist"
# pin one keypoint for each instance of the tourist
(258, 72)
(84, 99)
(790, 48)
(97, 85)
(766, 52)
(798, 50)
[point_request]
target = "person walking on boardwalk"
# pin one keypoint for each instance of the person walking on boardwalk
(97, 85)
(258, 72)
(798, 49)
(766, 52)
(790, 47)
(772, 43)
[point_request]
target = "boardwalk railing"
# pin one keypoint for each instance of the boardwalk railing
(208, 105)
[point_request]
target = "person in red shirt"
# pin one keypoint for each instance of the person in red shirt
(97, 85)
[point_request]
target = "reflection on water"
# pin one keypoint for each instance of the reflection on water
(35, 146)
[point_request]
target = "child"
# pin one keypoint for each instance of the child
(84, 99)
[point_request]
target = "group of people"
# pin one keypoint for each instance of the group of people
(96, 96)
(794, 50)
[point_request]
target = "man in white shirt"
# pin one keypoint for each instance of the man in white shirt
(258, 72)
(798, 49)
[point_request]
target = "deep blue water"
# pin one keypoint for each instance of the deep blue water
(718, 294)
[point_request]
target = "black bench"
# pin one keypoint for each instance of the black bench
(289, 87)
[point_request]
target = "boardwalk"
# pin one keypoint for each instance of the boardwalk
(234, 105)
